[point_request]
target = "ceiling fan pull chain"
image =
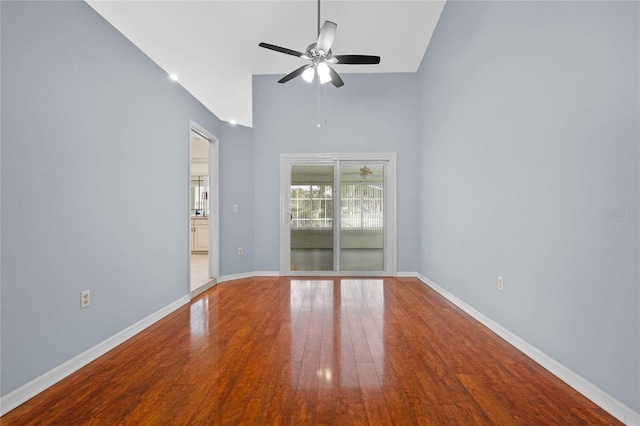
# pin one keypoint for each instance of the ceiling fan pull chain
(326, 101)
(318, 112)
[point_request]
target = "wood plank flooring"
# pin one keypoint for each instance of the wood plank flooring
(313, 351)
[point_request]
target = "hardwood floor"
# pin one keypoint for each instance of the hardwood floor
(313, 351)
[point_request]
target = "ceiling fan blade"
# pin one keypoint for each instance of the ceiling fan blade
(293, 74)
(357, 59)
(280, 49)
(335, 78)
(326, 36)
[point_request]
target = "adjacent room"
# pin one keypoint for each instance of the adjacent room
(340, 212)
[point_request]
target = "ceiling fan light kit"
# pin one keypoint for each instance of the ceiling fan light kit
(320, 56)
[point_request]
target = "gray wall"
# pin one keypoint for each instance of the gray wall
(371, 113)
(236, 187)
(95, 154)
(528, 135)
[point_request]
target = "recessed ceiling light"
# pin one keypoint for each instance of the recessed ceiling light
(173, 77)
(233, 122)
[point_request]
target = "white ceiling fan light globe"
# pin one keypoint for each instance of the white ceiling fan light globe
(325, 79)
(308, 74)
(323, 73)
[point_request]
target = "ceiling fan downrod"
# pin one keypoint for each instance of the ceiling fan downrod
(318, 18)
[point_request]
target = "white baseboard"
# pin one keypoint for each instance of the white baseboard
(266, 274)
(48, 379)
(608, 403)
(248, 275)
(277, 274)
(232, 277)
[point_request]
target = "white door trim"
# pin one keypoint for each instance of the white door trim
(391, 246)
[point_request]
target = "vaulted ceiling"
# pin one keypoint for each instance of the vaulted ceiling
(212, 46)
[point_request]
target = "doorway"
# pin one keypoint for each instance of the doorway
(338, 214)
(203, 210)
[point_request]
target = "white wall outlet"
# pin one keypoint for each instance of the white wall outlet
(235, 208)
(426, 254)
(85, 299)
(500, 283)
(240, 251)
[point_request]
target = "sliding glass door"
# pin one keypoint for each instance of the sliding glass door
(311, 217)
(338, 215)
(362, 217)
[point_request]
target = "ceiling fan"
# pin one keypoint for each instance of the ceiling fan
(363, 173)
(320, 56)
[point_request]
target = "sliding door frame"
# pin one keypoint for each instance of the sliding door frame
(390, 194)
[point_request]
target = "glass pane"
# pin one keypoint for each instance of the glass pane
(362, 217)
(311, 218)
(199, 195)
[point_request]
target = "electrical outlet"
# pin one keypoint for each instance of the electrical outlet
(235, 208)
(240, 251)
(85, 299)
(500, 283)
(426, 254)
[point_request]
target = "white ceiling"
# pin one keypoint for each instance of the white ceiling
(212, 46)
